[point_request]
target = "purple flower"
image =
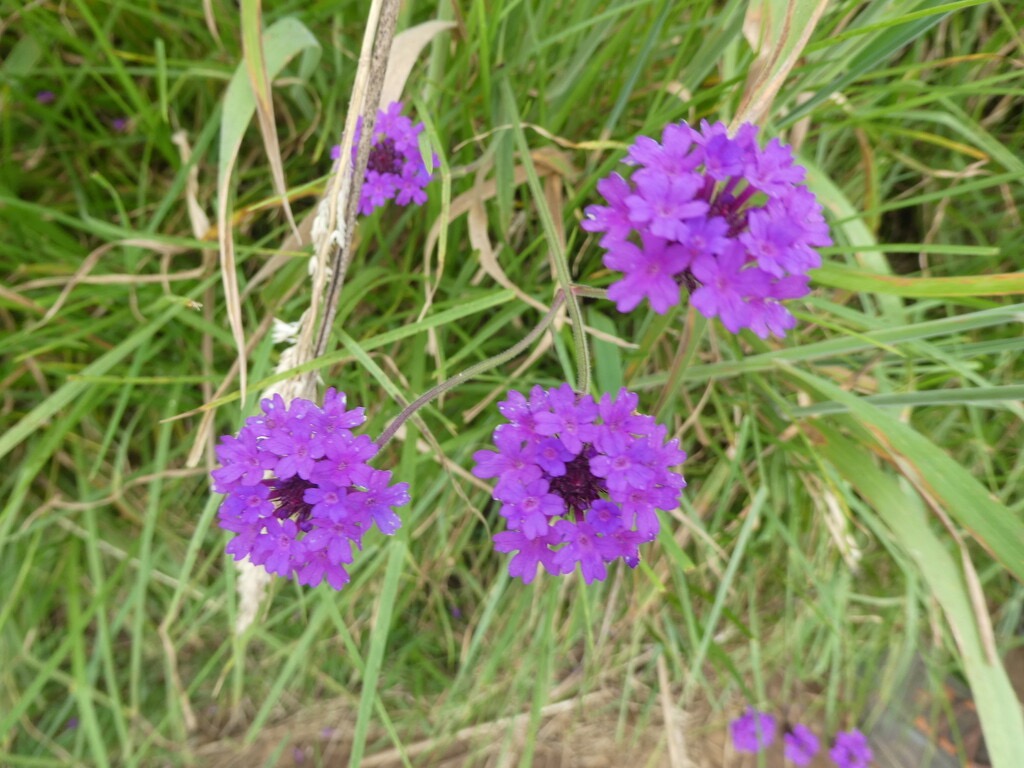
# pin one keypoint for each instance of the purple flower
(394, 168)
(378, 497)
(650, 272)
(46, 97)
(341, 459)
(515, 462)
(528, 507)
(529, 554)
(801, 745)
(579, 481)
(319, 567)
(298, 492)
(851, 750)
(717, 214)
(752, 731)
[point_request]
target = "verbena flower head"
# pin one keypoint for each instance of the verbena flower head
(801, 745)
(395, 168)
(579, 480)
(299, 491)
(46, 97)
(752, 731)
(727, 219)
(851, 750)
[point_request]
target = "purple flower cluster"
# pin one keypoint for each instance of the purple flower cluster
(299, 492)
(755, 730)
(729, 220)
(851, 750)
(395, 168)
(801, 745)
(752, 731)
(579, 480)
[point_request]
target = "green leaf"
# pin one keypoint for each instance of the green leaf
(903, 511)
(848, 279)
(992, 524)
(281, 42)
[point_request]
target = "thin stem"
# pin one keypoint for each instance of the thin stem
(342, 255)
(579, 336)
(472, 371)
(590, 293)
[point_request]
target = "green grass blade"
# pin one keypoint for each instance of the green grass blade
(378, 643)
(995, 527)
(903, 511)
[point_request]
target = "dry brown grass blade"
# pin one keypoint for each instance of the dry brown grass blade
(89, 263)
(778, 49)
(555, 201)
(670, 716)
(404, 51)
(975, 592)
(256, 67)
(229, 276)
(197, 217)
(471, 203)
(211, 22)
(285, 38)
(480, 241)
(545, 160)
(18, 300)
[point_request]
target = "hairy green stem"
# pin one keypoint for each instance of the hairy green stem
(590, 293)
(579, 336)
(472, 371)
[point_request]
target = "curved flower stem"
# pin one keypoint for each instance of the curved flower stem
(579, 336)
(472, 371)
(590, 293)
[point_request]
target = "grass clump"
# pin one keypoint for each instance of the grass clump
(847, 552)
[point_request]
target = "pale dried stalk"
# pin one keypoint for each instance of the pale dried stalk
(332, 242)
(771, 67)
(384, 16)
(333, 225)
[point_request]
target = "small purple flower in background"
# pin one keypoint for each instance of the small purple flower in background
(752, 731)
(298, 492)
(579, 480)
(395, 168)
(120, 124)
(851, 750)
(801, 745)
(46, 97)
(728, 219)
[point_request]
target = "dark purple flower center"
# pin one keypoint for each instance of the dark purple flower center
(579, 487)
(691, 282)
(728, 204)
(385, 158)
(731, 209)
(288, 495)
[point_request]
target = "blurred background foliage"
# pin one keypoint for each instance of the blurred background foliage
(848, 551)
